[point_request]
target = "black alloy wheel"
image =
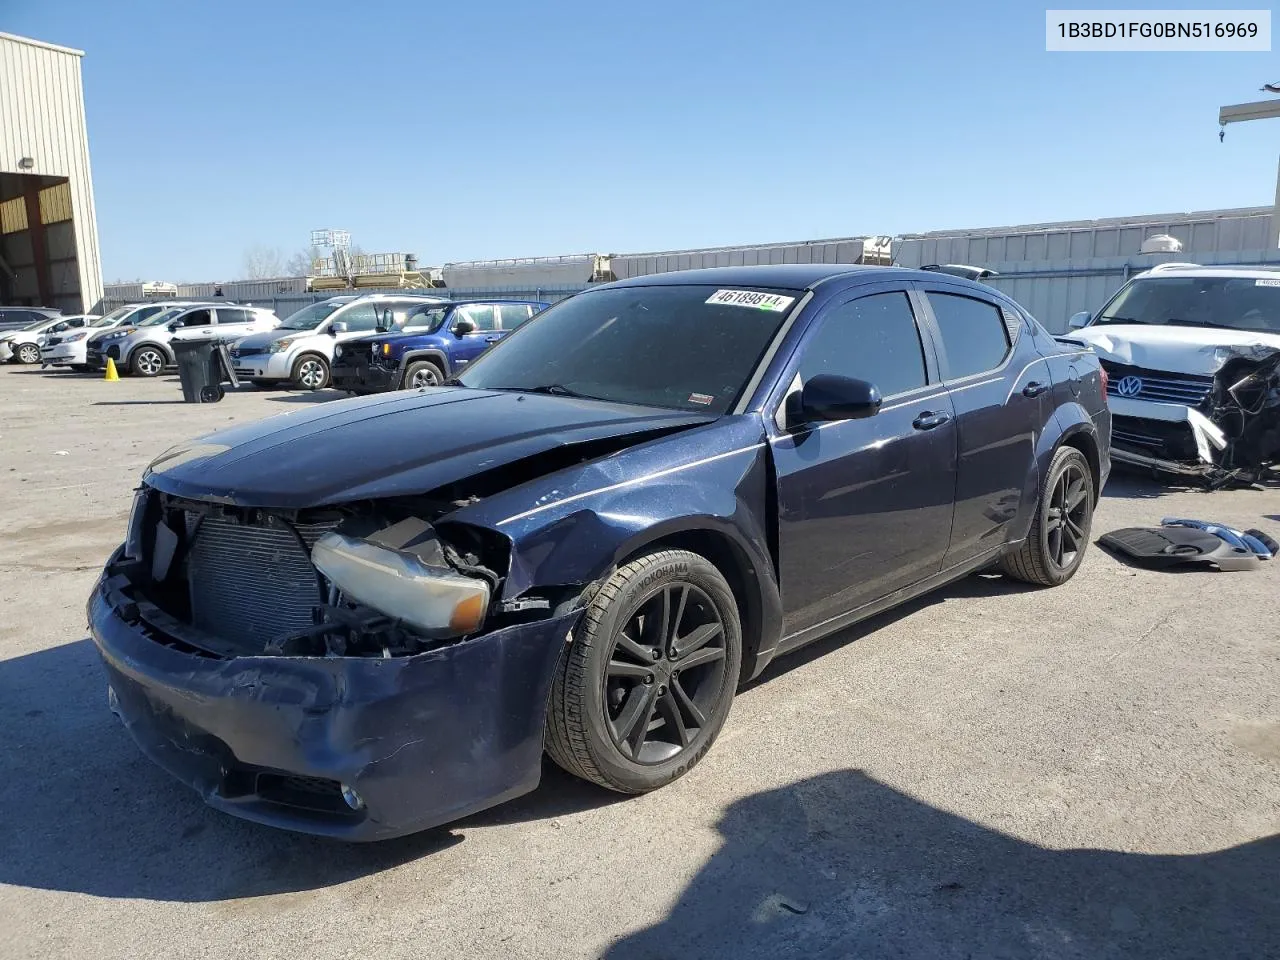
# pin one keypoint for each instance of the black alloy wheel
(649, 676)
(665, 672)
(1055, 544)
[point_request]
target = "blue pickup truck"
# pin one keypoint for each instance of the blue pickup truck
(455, 334)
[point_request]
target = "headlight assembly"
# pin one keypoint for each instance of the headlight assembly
(437, 601)
(275, 346)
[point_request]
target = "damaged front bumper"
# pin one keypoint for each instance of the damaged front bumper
(357, 748)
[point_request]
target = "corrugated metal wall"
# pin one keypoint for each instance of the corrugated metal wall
(521, 274)
(42, 117)
(848, 250)
(1058, 269)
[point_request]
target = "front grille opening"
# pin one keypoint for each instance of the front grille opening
(303, 793)
(243, 576)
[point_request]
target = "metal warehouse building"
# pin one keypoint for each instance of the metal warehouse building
(48, 229)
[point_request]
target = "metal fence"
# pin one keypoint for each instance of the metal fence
(285, 305)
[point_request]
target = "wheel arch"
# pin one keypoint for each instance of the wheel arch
(434, 354)
(164, 349)
(759, 605)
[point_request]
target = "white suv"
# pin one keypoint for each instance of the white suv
(300, 350)
(1161, 339)
(144, 350)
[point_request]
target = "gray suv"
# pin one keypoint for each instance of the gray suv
(145, 350)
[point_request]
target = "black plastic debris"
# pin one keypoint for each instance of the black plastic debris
(1179, 541)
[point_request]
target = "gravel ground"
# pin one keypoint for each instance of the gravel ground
(1091, 771)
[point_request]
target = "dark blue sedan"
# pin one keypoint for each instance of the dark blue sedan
(373, 616)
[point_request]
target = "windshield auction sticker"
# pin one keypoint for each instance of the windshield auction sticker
(750, 298)
(1168, 31)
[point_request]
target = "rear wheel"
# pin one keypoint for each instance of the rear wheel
(311, 372)
(647, 683)
(28, 353)
(423, 373)
(147, 362)
(1055, 545)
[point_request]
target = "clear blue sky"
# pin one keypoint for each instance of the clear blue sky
(473, 130)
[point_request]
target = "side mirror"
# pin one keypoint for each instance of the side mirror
(173, 326)
(1079, 320)
(829, 397)
(464, 326)
(337, 327)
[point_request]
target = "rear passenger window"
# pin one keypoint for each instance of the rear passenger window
(514, 314)
(873, 339)
(481, 314)
(974, 335)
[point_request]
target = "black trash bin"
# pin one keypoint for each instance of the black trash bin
(202, 366)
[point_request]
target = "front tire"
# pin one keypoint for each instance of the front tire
(1056, 543)
(646, 685)
(28, 353)
(423, 373)
(147, 362)
(311, 372)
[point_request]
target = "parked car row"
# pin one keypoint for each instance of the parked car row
(359, 343)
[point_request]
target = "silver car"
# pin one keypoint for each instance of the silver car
(145, 350)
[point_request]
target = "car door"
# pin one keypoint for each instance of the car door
(471, 345)
(864, 506)
(1000, 390)
(195, 324)
(232, 323)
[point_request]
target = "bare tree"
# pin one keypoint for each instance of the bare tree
(263, 263)
(301, 263)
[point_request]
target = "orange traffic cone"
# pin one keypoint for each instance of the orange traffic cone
(111, 370)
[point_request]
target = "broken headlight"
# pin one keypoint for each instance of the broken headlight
(436, 601)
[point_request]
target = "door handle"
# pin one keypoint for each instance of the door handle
(1034, 389)
(492, 339)
(929, 420)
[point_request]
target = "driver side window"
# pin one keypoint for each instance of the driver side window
(197, 318)
(481, 314)
(873, 338)
(362, 316)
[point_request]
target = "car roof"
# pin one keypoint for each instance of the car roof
(789, 276)
(1242, 270)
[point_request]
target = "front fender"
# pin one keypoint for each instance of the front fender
(573, 527)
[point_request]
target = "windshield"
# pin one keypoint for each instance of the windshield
(308, 318)
(158, 318)
(1234, 303)
(119, 312)
(428, 319)
(684, 347)
(106, 321)
(42, 322)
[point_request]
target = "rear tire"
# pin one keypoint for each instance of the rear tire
(423, 373)
(311, 372)
(27, 353)
(1059, 535)
(660, 643)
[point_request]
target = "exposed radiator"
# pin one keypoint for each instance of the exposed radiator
(252, 584)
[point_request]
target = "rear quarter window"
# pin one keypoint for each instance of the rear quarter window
(975, 337)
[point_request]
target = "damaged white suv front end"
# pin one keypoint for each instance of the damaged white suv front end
(1192, 356)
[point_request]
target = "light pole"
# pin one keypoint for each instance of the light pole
(1258, 110)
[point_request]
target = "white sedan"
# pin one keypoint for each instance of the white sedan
(66, 348)
(24, 346)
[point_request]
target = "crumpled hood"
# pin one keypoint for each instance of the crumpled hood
(1173, 348)
(390, 445)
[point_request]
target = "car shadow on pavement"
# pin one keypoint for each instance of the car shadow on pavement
(311, 396)
(841, 865)
(82, 810)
